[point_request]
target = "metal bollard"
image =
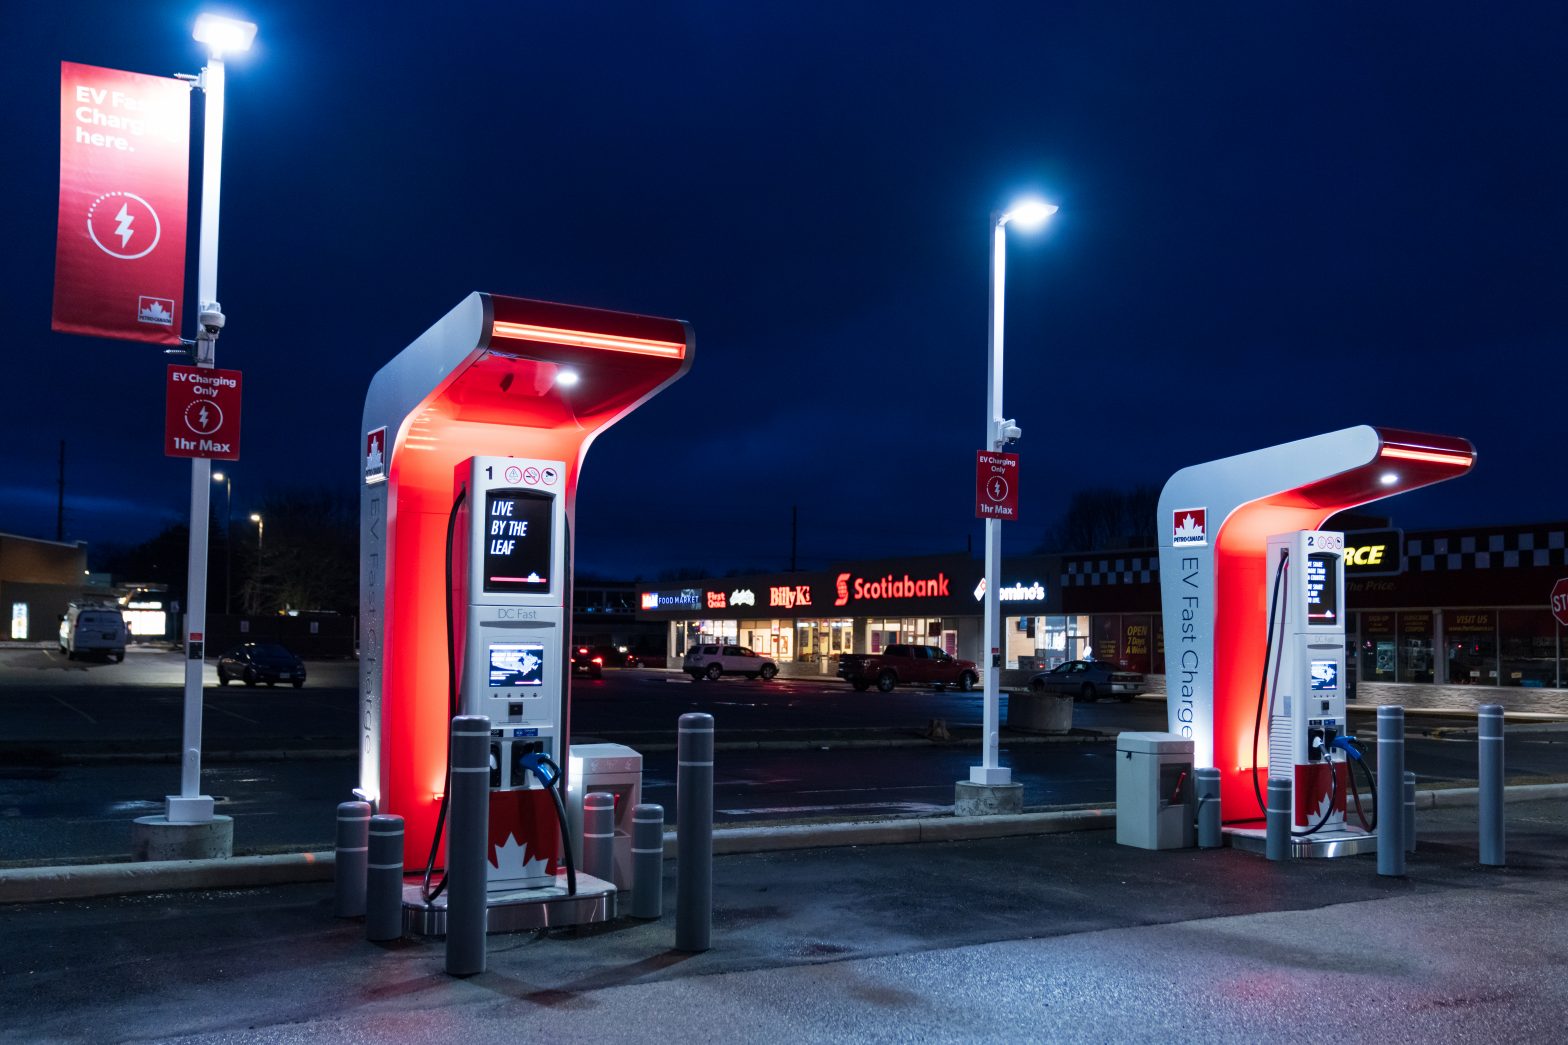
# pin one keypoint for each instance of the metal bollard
(599, 835)
(1276, 821)
(467, 846)
(1390, 793)
(648, 861)
(350, 858)
(1209, 836)
(384, 879)
(1410, 811)
(1490, 778)
(694, 833)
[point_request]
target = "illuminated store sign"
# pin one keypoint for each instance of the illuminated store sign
(889, 587)
(790, 595)
(685, 599)
(1374, 553)
(743, 597)
(1034, 591)
(716, 600)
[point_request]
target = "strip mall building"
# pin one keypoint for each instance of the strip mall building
(1445, 606)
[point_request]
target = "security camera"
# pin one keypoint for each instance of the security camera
(1011, 433)
(211, 318)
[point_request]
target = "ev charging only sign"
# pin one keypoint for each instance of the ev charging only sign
(202, 413)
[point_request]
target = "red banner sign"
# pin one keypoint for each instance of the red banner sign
(996, 485)
(202, 413)
(124, 162)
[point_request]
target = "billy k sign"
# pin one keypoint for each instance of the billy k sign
(120, 245)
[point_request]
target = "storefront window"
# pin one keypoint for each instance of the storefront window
(1137, 640)
(1529, 650)
(1470, 641)
(1415, 646)
(1376, 663)
(19, 620)
(1107, 638)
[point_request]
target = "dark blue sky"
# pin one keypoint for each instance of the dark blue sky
(1275, 222)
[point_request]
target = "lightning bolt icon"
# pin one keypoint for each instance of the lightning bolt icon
(123, 229)
(201, 418)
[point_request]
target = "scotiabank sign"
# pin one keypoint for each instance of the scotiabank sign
(858, 589)
(120, 242)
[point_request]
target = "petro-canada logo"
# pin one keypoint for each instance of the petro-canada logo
(376, 455)
(157, 311)
(1189, 527)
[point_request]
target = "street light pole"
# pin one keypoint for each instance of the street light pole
(261, 533)
(999, 433)
(190, 806)
(228, 536)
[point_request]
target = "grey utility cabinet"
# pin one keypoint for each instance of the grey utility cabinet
(1155, 791)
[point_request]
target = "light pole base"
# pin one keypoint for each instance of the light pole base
(180, 810)
(972, 799)
(990, 775)
(155, 838)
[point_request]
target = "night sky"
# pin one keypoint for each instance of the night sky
(1276, 221)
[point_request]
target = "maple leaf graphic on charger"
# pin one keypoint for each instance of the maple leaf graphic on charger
(1189, 527)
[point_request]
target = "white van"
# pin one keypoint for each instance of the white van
(93, 628)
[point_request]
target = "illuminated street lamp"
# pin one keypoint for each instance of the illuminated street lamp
(999, 434)
(222, 36)
(261, 532)
(228, 543)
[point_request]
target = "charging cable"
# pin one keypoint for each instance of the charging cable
(549, 775)
(1352, 748)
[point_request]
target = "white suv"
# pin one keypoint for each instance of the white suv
(709, 662)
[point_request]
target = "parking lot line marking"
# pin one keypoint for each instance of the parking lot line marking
(209, 705)
(72, 707)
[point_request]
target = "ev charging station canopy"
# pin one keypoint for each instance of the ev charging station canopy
(497, 376)
(1214, 522)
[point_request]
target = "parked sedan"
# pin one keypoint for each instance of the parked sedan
(1088, 680)
(255, 662)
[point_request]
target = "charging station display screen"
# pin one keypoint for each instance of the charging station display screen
(514, 664)
(1322, 588)
(517, 541)
(1325, 675)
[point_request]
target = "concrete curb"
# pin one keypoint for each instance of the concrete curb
(40, 884)
(83, 881)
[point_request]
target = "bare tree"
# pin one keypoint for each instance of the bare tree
(1103, 518)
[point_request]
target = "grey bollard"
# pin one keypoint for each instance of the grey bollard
(468, 846)
(1209, 835)
(1276, 823)
(351, 856)
(384, 879)
(1493, 844)
(599, 835)
(1410, 812)
(1391, 791)
(648, 861)
(694, 833)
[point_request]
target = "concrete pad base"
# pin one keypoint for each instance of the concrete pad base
(971, 799)
(155, 838)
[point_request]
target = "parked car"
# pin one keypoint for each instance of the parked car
(902, 664)
(93, 628)
(586, 662)
(255, 662)
(711, 661)
(617, 656)
(1088, 680)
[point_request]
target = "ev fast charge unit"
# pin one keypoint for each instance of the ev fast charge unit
(1224, 653)
(474, 437)
(512, 637)
(1305, 661)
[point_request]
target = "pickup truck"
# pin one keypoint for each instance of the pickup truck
(904, 664)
